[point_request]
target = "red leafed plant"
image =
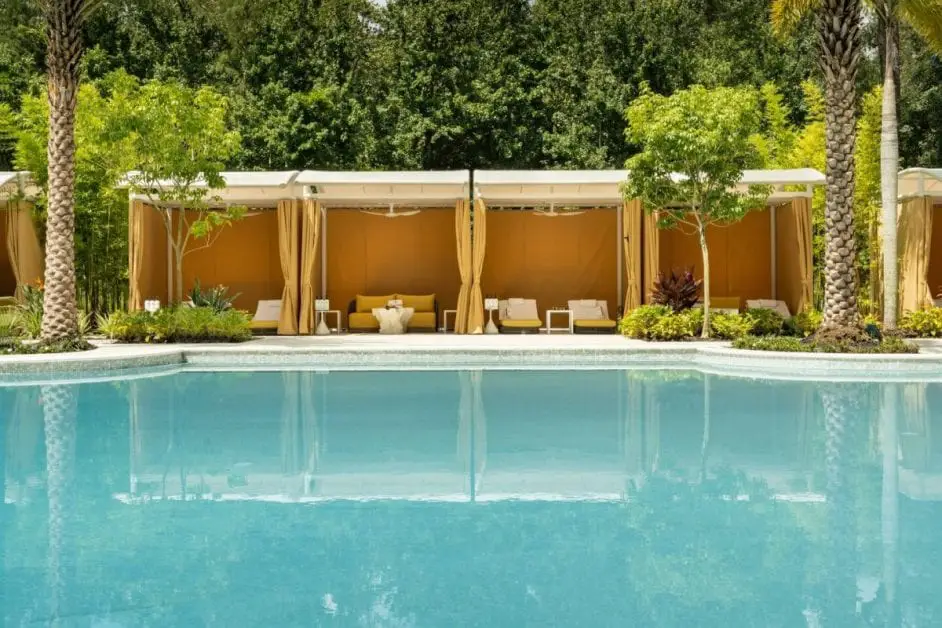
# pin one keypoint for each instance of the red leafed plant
(678, 291)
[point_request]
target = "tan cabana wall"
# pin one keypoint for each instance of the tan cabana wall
(147, 239)
(553, 259)
(740, 256)
(245, 257)
(935, 253)
(375, 256)
(22, 255)
(793, 254)
(916, 232)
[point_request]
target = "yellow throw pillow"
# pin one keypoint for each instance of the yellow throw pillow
(418, 302)
(368, 304)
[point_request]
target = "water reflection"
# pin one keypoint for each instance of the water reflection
(472, 498)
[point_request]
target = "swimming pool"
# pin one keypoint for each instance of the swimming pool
(471, 498)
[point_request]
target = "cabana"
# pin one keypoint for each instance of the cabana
(21, 256)
(765, 256)
(555, 236)
(384, 235)
(920, 238)
(258, 257)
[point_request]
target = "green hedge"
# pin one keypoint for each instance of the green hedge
(659, 322)
(889, 344)
(178, 324)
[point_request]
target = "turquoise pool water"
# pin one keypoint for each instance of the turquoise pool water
(495, 498)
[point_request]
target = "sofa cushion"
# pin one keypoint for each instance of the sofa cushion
(422, 320)
(365, 304)
(362, 320)
(418, 302)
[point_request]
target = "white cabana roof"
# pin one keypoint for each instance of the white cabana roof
(380, 189)
(603, 187)
(916, 182)
(14, 183)
(255, 189)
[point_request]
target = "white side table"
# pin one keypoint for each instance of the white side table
(549, 321)
(445, 313)
(322, 315)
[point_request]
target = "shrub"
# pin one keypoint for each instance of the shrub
(922, 323)
(803, 324)
(765, 322)
(181, 324)
(9, 323)
(731, 326)
(216, 298)
(678, 292)
(833, 343)
(659, 322)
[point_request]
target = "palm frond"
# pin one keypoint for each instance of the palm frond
(925, 16)
(787, 14)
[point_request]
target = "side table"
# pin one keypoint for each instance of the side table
(549, 321)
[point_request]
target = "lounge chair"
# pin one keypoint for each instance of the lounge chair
(518, 316)
(424, 319)
(590, 316)
(769, 304)
(267, 315)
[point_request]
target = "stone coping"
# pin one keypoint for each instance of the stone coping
(438, 352)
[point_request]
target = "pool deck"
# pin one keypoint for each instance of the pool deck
(446, 351)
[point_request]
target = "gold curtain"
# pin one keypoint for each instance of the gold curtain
(135, 255)
(465, 261)
(631, 238)
(288, 252)
(476, 305)
(26, 256)
(310, 238)
(915, 243)
(652, 254)
(801, 207)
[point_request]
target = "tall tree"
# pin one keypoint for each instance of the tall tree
(64, 19)
(838, 29)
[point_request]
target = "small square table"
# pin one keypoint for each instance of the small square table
(560, 312)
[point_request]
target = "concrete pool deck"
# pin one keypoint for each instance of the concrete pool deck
(441, 351)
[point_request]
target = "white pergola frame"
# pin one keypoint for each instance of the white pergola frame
(920, 182)
(603, 188)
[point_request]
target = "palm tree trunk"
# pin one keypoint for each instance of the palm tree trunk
(839, 37)
(64, 52)
(889, 166)
(59, 416)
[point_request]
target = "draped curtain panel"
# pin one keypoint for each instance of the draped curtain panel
(802, 210)
(465, 263)
(631, 236)
(652, 254)
(288, 250)
(915, 242)
(26, 256)
(310, 237)
(135, 255)
(476, 305)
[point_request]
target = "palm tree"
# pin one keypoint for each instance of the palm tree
(64, 19)
(838, 27)
(925, 16)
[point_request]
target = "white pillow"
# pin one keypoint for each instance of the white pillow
(582, 312)
(525, 311)
(268, 310)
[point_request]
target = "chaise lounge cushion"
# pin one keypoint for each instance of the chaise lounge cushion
(590, 314)
(519, 314)
(366, 304)
(522, 324)
(363, 321)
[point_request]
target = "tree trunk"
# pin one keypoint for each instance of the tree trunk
(64, 52)
(838, 24)
(706, 282)
(178, 276)
(889, 168)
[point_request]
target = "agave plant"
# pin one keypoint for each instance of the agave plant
(216, 298)
(678, 291)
